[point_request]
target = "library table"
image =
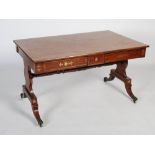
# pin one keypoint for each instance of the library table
(66, 53)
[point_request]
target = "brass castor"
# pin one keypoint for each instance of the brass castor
(40, 122)
(135, 99)
(105, 79)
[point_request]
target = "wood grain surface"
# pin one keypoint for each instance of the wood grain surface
(74, 45)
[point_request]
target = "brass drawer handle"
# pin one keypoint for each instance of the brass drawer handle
(65, 64)
(96, 59)
(68, 63)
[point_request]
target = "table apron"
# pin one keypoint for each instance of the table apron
(83, 62)
(87, 61)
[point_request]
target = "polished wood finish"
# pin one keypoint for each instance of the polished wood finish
(74, 45)
(125, 55)
(59, 54)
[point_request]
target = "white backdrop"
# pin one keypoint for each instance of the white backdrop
(77, 103)
(141, 30)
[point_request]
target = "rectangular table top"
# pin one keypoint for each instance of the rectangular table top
(74, 45)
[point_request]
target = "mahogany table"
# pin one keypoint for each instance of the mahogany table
(59, 54)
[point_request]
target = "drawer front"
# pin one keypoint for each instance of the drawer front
(124, 55)
(96, 59)
(63, 64)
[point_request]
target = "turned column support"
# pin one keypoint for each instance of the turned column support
(120, 73)
(28, 92)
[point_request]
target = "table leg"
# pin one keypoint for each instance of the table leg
(120, 73)
(27, 92)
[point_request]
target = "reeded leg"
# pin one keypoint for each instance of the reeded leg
(120, 73)
(27, 92)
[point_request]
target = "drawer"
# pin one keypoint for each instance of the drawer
(96, 59)
(62, 64)
(124, 55)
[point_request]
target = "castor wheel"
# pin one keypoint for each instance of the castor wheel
(135, 99)
(105, 79)
(23, 95)
(40, 122)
